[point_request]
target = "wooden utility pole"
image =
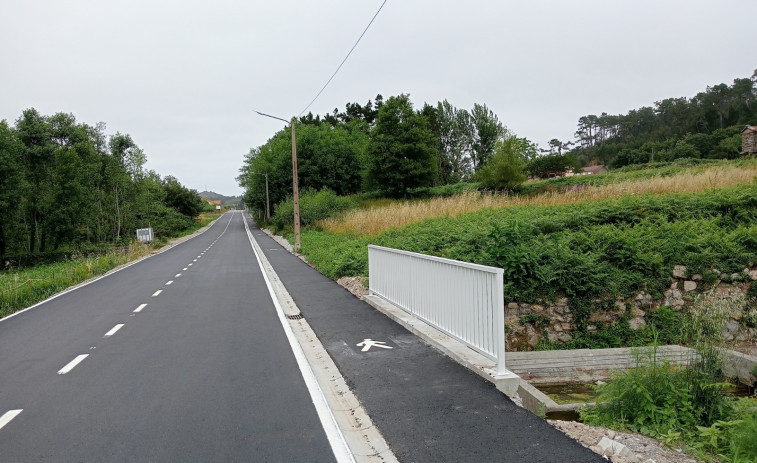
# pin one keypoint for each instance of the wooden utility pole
(267, 201)
(295, 192)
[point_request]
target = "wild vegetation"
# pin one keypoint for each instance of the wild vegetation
(387, 149)
(665, 179)
(689, 405)
(706, 125)
(67, 188)
(71, 199)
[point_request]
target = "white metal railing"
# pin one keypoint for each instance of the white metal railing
(464, 300)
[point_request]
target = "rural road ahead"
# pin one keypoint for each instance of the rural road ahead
(186, 360)
(184, 356)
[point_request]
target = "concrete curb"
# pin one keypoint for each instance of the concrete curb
(365, 441)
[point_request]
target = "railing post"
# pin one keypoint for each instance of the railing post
(500, 320)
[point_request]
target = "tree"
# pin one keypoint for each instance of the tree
(544, 165)
(181, 198)
(330, 157)
(488, 131)
(505, 168)
(11, 184)
(401, 152)
(454, 132)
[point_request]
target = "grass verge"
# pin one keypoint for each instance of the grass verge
(25, 287)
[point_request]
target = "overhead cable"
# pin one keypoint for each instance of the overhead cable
(343, 61)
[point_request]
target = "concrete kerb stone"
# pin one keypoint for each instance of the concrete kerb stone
(365, 441)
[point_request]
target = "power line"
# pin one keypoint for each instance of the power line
(343, 61)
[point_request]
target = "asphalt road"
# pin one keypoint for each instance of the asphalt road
(202, 372)
(428, 407)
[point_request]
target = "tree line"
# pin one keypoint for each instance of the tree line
(707, 125)
(66, 186)
(387, 147)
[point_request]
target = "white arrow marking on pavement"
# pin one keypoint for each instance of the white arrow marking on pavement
(368, 343)
(72, 364)
(8, 416)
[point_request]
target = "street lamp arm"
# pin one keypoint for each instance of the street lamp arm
(295, 188)
(273, 117)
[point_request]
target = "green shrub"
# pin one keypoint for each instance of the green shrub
(594, 249)
(314, 206)
(536, 320)
(665, 324)
(751, 293)
(655, 398)
(742, 440)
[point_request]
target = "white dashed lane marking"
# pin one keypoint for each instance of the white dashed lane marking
(8, 416)
(157, 292)
(169, 282)
(113, 330)
(139, 309)
(72, 364)
(177, 275)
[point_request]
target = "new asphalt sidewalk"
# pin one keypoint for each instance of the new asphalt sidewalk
(428, 407)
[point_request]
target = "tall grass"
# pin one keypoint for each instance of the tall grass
(375, 220)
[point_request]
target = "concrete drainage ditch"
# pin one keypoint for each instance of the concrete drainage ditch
(547, 368)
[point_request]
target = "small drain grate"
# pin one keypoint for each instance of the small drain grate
(295, 317)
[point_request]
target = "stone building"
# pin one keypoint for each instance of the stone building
(749, 140)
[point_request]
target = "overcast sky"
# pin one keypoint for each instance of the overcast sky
(183, 77)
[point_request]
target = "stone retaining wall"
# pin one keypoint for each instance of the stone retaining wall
(528, 323)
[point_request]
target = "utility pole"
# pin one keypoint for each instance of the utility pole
(267, 201)
(295, 189)
(296, 192)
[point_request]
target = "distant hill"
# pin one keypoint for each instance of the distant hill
(228, 201)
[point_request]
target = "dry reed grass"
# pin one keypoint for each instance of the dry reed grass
(374, 220)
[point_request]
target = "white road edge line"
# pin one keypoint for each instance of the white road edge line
(8, 416)
(336, 439)
(139, 309)
(113, 330)
(73, 288)
(157, 292)
(72, 364)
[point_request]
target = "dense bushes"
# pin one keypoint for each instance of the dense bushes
(613, 247)
(314, 205)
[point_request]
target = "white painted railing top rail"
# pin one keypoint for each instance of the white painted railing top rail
(464, 300)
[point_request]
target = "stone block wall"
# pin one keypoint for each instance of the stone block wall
(528, 323)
